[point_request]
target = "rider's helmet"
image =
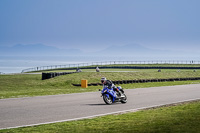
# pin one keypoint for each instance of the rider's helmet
(103, 79)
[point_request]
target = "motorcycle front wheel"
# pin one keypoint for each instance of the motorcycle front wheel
(124, 100)
(107, 100)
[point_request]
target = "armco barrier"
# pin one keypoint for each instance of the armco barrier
(143, 81)
(115, 63)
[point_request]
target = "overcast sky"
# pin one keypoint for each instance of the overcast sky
(88, 24)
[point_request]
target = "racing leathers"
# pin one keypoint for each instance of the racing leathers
(110, 85)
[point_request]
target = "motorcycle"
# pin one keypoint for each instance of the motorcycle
(110, 96)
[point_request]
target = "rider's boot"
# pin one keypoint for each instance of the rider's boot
(121, 94)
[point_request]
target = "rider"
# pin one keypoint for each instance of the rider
(110, 84)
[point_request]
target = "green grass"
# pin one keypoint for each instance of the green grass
(13, 86)
(184, 118)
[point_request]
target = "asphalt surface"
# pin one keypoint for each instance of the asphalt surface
(19, 112)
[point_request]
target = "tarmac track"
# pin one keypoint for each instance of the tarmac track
(20, 112)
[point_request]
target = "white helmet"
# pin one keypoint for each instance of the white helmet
(103, 79)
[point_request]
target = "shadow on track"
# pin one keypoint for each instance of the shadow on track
(103, 104)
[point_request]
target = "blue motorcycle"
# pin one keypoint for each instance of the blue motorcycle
(110, 96)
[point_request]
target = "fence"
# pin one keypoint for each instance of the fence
(41, 68)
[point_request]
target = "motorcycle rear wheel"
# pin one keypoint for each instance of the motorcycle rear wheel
(107, 100)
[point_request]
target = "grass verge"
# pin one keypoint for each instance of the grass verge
(184, 118)
(14, 86)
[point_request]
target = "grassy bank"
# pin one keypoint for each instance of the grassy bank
(184, 118)
(32, 85)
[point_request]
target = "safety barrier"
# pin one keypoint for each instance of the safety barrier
(86, 65)
(55, 74)
(143, 81)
